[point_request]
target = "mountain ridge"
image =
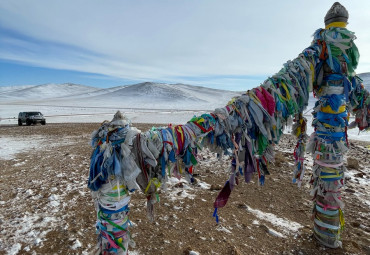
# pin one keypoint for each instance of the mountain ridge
(147, 94)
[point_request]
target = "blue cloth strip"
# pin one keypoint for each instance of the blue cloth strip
(327, 212)
(106, 211)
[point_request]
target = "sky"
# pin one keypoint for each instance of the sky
(233, 45)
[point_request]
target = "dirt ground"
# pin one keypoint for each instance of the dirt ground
(46, 207)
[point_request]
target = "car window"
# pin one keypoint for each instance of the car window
(34, 113)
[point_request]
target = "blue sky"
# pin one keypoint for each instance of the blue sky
(23, 74)
(231, 45)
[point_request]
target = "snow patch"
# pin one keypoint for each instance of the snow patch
(76, 244)
(193, 253)
(133, 252)
(178, 189)
(223, 229)
(285, 225)
(275, 233)
(20, 163)
(255, 222)
(204, 185)
(13, 145)
(15, 249)
(32, 229)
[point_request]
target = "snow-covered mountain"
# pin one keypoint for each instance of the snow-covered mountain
(141, 95)
(146, 102)
(153, 91)
(146, 95)
(7, 89)
(43, 91)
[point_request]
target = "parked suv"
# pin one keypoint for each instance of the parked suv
(31, 118)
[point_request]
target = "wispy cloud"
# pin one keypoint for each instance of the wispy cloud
(208, 43)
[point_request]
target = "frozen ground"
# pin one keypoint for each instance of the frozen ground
(46, 208)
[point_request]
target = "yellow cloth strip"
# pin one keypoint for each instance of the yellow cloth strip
(330, 170)
(312, 71)
(179, 167)
(174, 137)
(120, 187)
(156, 183)
(341, 218)
(254, 97)
(180, 131)
(328, 126)
(327, 109)
(336, 24)
(287, 92)
(331, 176)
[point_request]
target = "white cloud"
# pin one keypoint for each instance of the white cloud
(166, 39)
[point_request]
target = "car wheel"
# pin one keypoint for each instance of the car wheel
(43, 122)
(19, 122)
(28, 122)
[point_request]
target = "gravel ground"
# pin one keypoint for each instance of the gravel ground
(46, 208)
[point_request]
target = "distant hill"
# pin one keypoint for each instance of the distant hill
(155, 91)
(147, 95)
(152, 95)
(5, 89)
(44, 91)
